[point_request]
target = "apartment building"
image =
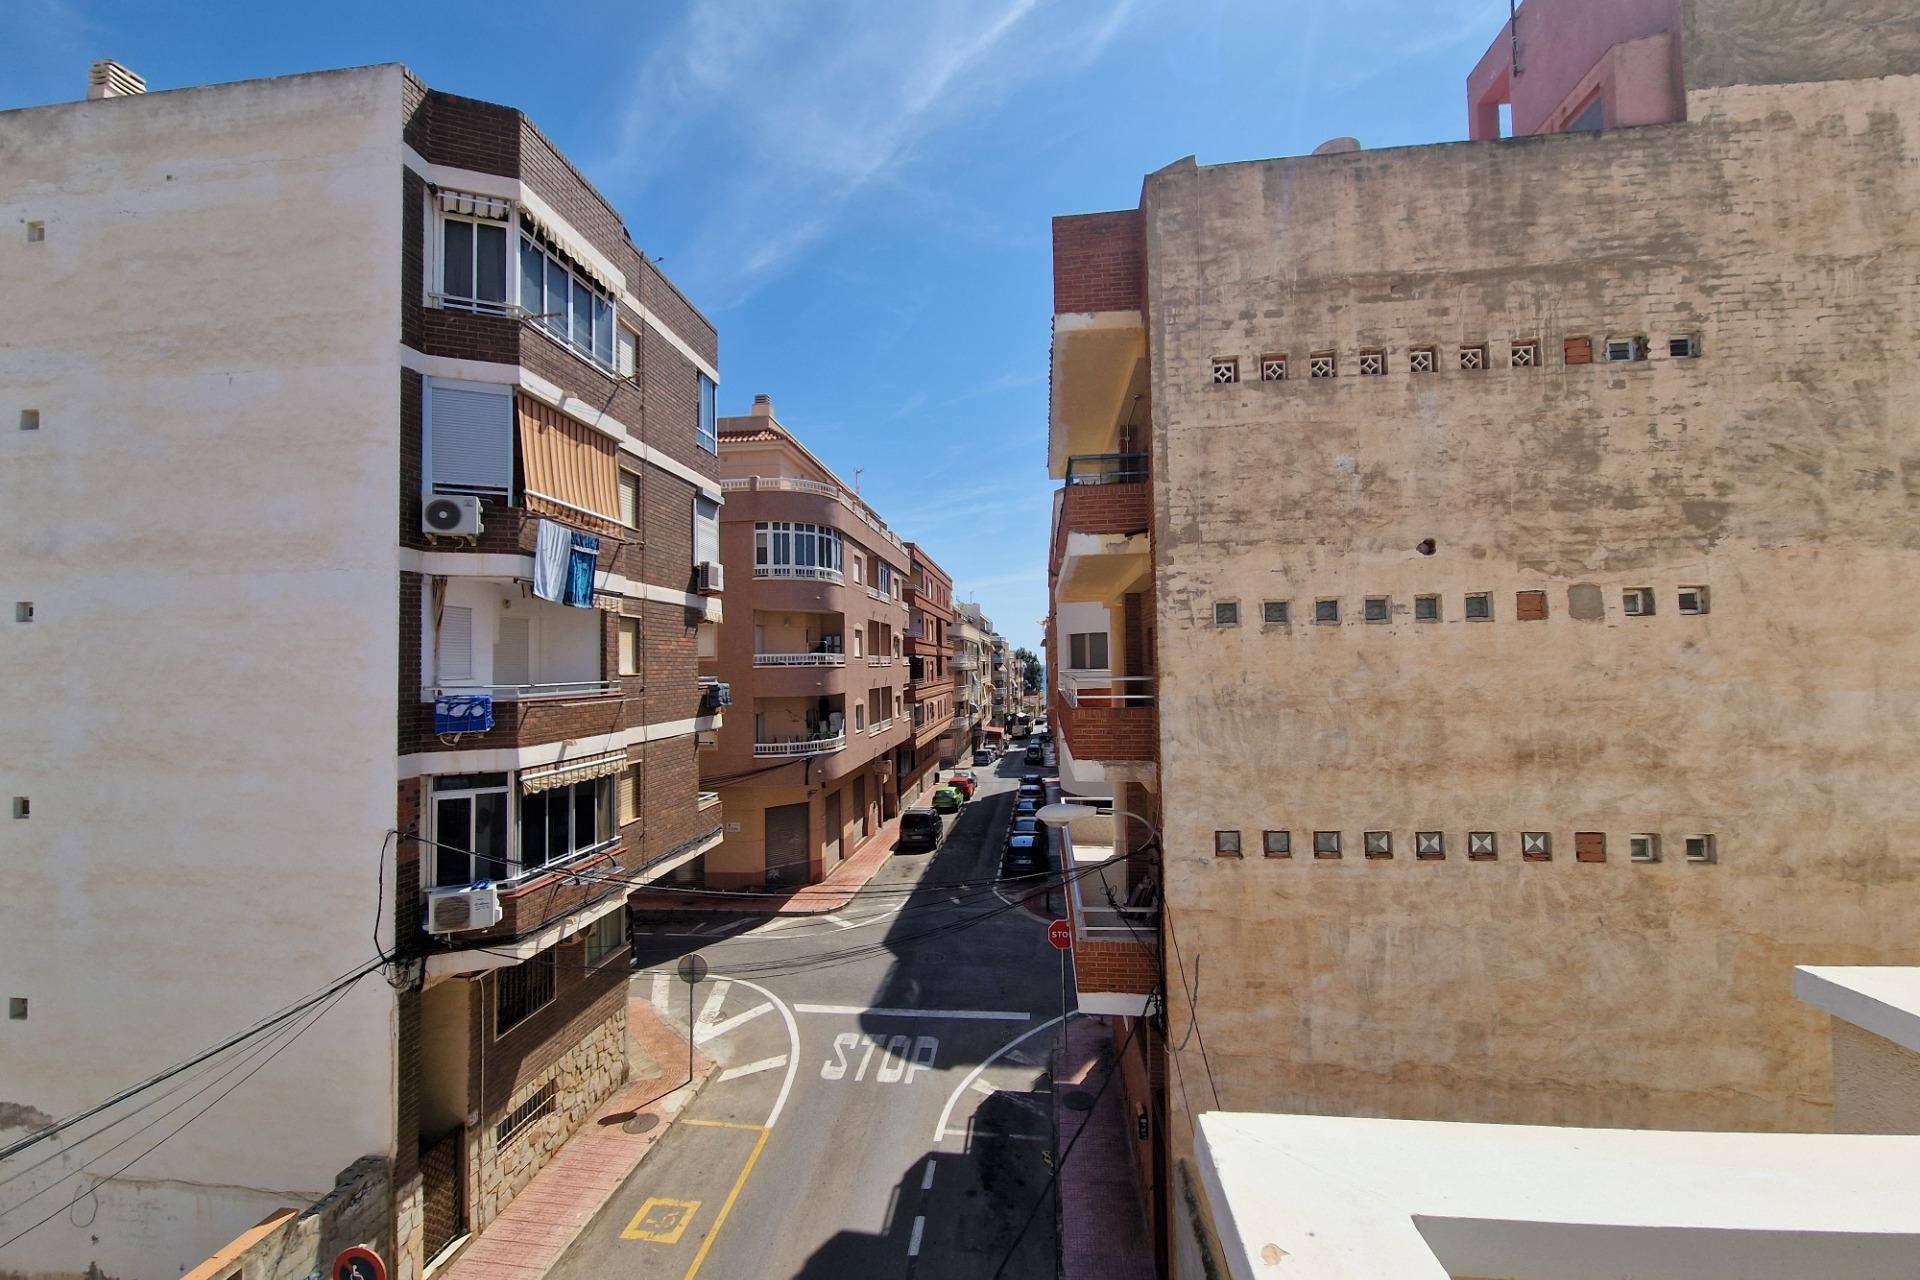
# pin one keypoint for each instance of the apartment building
(413, 678)
(814, 659)
(929, 686)
(967, 651)
(1494, 549)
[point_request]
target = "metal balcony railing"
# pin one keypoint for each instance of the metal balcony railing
(1107, 468)
(527, 692)
(801, 747)
(1086, 689)
(811, 572)
(799, 659)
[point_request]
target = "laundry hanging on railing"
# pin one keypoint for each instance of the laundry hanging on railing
(551, 557)
(581, 563)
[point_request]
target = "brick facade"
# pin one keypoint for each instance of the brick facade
(1099, 262)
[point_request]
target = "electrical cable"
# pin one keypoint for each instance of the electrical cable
(1193, 1002)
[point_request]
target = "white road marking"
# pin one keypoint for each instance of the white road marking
(753, 1068)
(977, 1015)
(983, 1087)
(716, 996)
(946, 1113)
(713, 1031)
(926, 1183)
(662, 984)
(793, 1041)
(1011, 1137)
(913, 1245)
(902, 1058)
(841, 924)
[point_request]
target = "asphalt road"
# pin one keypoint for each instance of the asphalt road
(882, 1106)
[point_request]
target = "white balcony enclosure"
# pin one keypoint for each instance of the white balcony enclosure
(488, 635)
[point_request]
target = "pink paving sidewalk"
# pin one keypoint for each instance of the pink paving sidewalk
(832, 893)
(1103, 1227)
(535, 1229)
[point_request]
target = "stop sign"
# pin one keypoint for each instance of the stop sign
(1060, 934)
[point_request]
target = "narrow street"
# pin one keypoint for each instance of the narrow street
(882, 1104)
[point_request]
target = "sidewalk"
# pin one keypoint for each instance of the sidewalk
(832, 893)
(1103, 1224)
(535, 1229)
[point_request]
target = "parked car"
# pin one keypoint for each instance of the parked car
(1026, 806)
(1023, 857)
(963, 783)
(1033, 789)
(1035, 755)
(1030, 826)
(1029, 777)
(920, 829)
(947, 800)
(983, 757)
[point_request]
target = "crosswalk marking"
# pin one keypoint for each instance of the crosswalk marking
(716, 996)
(662, 984)
(753, 1068)
(715, 1030)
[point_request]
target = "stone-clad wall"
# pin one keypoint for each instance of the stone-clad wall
(1777, 469)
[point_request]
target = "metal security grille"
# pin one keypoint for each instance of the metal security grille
(538, 1105)
(442, 1210)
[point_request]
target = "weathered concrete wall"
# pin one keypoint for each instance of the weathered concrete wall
(1876, 1083)
(1777, 469)
(295, 1246)
(1782, 41)
(204, 523)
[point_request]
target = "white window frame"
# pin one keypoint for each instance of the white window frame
(1082, 660)
(706, 429)
(1702, 602)
(506, 305)
(1637, 602)
(1643, 846)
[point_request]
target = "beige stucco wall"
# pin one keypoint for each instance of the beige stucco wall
(1876, 1083)
(1777, 470)
(202, 710)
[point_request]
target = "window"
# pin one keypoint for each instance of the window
(1683, 346)
(473, 264)
(22, 807)
(859, 569)
(1326, 844)
(29, 419)
(1429, 845)
(469, 438)
(1525, 354)
(1226, 370)
(1637, 602)
(1323, 364)
(1226, 844)
(1087, 651)
(517, 1121)
(23, 611)
(1377, 608)
(626, 345)
(1482, 846)
(1273, 368)
(1277, 844)
(1426, 608)
(1589, 119)
(1643, 847)
(788, 549)
(1626, 349)
(1589, 846)
(706, 531)
(709, 439)
(36, 232)
(1326, 611)
(1421, 360)
(629, 791)
(606, 936)
(1536, 846)
(563, 822)
(1226, 613)
(17, 1008)
(1274, 613)
(1529, 606)
(859, 641)
(523, 989)
(1479, 606)
(629, 647)
(1473, 357)
(1378, 844)
(1701, 849)
(859, 717)
(1577, 350)
(1373, 362)
(630, 499)
(563, 301)
(469, 832)
(1693, 599)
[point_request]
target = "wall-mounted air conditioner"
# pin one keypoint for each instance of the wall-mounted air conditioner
(458, 910)
(453, 515)
(711, 581)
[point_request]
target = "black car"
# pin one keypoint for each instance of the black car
(1025, 778)
(920, 829)
(1035, 756)
(1023, 857)
(1026, 807)
(1030, 826)
(1033, 789)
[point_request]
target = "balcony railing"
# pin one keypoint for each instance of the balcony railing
(963, 662)
(801, 747)
(878, 660)
(1083, 689)
(527, 692)
(799, 659)
(798, 484)
(811, 572)
(707, 799)
(880, 726)
(1107, 468)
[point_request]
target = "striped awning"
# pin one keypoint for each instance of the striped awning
(566, 772)
(474, 206)
(583, 258)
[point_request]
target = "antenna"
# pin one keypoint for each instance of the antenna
(856, 478)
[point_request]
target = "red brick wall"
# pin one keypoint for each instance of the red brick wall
(1115, 966)
(1100, 262)
(582, 999)
(1109, 733)
(1102, 508)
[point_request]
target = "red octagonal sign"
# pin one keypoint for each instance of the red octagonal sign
(1060, 934)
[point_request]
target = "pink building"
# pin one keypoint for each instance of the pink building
(1570, 65)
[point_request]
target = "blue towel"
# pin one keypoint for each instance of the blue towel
(550, 558)
(463, 713)
(580, 566)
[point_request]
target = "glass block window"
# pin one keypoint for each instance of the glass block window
(1637, 602)
(1226, 614)
(1429, 844)
(1373, 363)
(1274, 613)
(1643, 847)
(1323, 364)
(1273, 368)
(1483, 846)
(1378, 608)
(1526, 355)
(1479, 606)
(1379, 844)
(1474, 358)
(1326, 611)
(1426, 608)
(1226, 369)
(1326, 844)
(1277, 844)
(1421, 360)
(1701, 849)
(1693, 599)
(1226, 844)
(1536, 846)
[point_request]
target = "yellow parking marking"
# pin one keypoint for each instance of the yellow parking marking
(661, 1221)
(727, 1206)
(727, 1124)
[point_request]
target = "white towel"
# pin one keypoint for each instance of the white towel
(550, 561)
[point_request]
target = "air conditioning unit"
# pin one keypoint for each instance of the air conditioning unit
(458, 910)
(455, 515)
(710, 580)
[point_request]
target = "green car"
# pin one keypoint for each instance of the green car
(947, 800)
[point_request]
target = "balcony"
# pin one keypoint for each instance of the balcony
(878, 660)
(1102, 542)
(881, 725)
(963, 662)
(1115, 909)
(799, 659)
(527, 692)
(803, 747)
(1103, 718)
(797, 484)
(1093, 469)
(797, 571)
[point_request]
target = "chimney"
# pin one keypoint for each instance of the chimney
(108, 79)
(763, 406)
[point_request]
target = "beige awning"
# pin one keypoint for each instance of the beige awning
(569, 468)
(474, 206)
(567, 772)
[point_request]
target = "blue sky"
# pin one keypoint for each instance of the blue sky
(857, 193)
